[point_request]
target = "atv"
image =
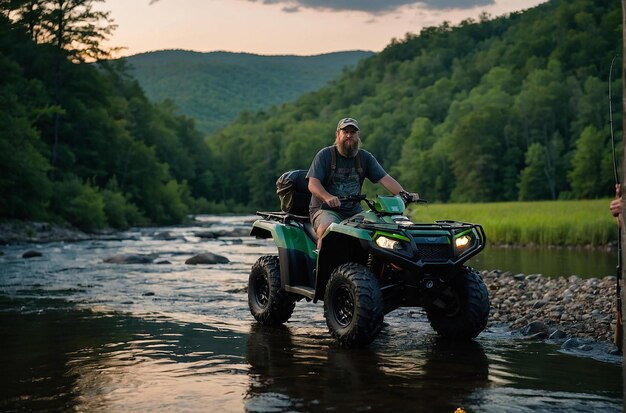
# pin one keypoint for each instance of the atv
(368, 266)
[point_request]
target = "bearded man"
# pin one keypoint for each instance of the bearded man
(338, 171)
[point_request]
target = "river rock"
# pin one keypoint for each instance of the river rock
(130, 259)
(570, 344)
(582, 308)
(237, 232)
(164, 236)
(207, 258)
(558, 335)
(209, 234)
(31, 254)
(535, 328)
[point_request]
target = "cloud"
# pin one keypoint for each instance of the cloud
(376, 6)
(371, 6)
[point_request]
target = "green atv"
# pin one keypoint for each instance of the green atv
(369, 265)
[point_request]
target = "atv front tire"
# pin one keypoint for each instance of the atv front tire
(269, 304)
(462, 310)
(353, 305)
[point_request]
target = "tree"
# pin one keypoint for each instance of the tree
(532, 183)
(584, 177)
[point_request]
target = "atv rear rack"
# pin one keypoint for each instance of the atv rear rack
(282, 217)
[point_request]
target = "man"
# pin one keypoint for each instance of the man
(352, 166)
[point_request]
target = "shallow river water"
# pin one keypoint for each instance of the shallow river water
(80, 334)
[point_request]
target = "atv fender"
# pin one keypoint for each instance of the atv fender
(296, 252)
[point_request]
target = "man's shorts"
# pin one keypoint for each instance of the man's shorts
(325, 216)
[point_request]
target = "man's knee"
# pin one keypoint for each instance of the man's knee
(322, 219)
(321, 229)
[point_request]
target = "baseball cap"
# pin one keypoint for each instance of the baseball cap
(347, 122)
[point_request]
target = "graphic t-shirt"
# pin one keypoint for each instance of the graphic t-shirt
(345, 181)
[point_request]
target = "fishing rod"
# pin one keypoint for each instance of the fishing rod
(618, 191)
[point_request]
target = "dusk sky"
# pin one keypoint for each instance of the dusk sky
(301, 27)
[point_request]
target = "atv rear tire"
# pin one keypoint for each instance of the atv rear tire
(466, 308)
(353, 305)
(269, 304)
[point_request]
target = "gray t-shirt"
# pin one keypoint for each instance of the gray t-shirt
(345, 181)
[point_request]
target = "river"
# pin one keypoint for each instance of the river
(80, 334)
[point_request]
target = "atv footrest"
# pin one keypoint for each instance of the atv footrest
(301, 290)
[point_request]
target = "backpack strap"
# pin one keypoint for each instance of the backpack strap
(333, 166)
(359, 168)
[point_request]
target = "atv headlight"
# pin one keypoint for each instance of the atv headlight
(462, 242)
(388, 243)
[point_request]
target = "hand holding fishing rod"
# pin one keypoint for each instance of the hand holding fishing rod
(616, 205)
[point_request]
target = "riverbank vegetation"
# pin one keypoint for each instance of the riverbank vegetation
(581, 222)
(504, 109)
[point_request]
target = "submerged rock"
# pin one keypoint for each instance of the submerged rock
(571, 343)
(558, 335)
(209, 234)
(130, 259)
(535, 328)
(207, 258)
(164, 236)
(31, 254)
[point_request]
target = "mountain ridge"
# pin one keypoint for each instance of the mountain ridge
(215, 87)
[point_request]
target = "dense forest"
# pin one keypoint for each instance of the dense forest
(503, 109)
(213, 88)
(80, 142)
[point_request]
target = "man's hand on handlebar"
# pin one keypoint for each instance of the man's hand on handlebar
(409, 197)
(333, 202)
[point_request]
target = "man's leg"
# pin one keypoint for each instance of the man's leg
(321, 220)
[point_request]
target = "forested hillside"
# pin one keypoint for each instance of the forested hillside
(213, 88)
(81, 142)
(511, 108)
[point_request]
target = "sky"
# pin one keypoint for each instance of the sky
(279, 27)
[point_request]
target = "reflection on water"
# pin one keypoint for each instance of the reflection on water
(79, 334)
(551, 262)
(77, 360)
(64, 359)
(290, 375)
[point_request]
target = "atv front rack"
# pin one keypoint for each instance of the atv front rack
(397, 227)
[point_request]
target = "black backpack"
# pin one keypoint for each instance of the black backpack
(293, 191)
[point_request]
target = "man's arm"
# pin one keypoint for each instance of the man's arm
(318, 190)
(394, 186)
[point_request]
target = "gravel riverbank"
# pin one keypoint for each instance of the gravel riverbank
(553, 308)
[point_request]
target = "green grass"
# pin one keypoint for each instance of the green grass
(586, 222)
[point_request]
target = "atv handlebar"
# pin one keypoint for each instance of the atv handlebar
(358, 198)
(407, 198)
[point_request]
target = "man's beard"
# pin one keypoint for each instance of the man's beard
(349, 148)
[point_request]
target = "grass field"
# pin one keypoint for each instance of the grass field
(586, 222)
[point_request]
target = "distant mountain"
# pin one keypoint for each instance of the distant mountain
(213, 88)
